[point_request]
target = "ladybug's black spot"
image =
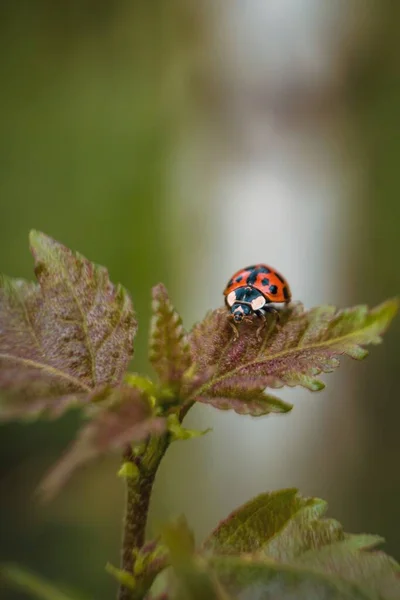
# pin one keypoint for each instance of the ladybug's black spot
(230, 282)
(280, 278)
(250, 268)
(239, 279)
(286, 293)
(252, 278)
(273, 289)
(265, 281)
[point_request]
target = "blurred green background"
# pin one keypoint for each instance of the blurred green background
(128, 131)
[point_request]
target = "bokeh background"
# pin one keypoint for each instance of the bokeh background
(179, 141)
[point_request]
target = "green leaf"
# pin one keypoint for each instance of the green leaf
(126, 418)
(340, 570)
(127, 579)
(178, 432)
(32, 584)
(141, 382)
(179, 540)
(280, 524)
(65, 338)
(168, 346)
(194, 581)
(294, 352)
(281, 545)
(304, 530)
(161, 396)
(250, 580)
(375, 571)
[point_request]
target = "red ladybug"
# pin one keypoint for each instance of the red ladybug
(255, 290)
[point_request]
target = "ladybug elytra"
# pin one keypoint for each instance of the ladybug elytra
(255, 290)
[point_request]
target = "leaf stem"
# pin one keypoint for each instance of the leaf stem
(138, 493)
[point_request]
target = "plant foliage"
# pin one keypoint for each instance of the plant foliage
(126, 418)
(168, 346)
(303, 345)
(280, 545)
(65, 338)
(66, 341)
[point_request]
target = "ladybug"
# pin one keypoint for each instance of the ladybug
(255, 290)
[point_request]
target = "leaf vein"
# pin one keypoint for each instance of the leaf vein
(84, 325)
(286, 353)
(46, 368)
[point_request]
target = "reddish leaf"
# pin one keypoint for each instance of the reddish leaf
(256, 406)
(65, 338)
(303, 345)
(126, 418)
(169, 349)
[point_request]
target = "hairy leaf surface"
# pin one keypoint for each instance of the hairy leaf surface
(168, 345)
(268, 581)
(375, 570)
(293, 352)
(126, 417)
(63, 338)
(281, 543)
(278, 524)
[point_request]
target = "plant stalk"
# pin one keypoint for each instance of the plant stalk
(138, 494)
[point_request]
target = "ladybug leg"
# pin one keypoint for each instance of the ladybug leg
(235, 330)
(261, 314)
(275, 312)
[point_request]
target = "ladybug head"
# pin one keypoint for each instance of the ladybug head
(239, 311)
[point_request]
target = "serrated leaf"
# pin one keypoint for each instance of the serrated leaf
(307, 529)
(276, 523)
(64, 338)
(295, 352)
(288, 548)
(168, 346)
(375, 571)
(257, 406)
(250, 580)
(127, 418)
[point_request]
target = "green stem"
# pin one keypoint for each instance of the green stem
(138, 493)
